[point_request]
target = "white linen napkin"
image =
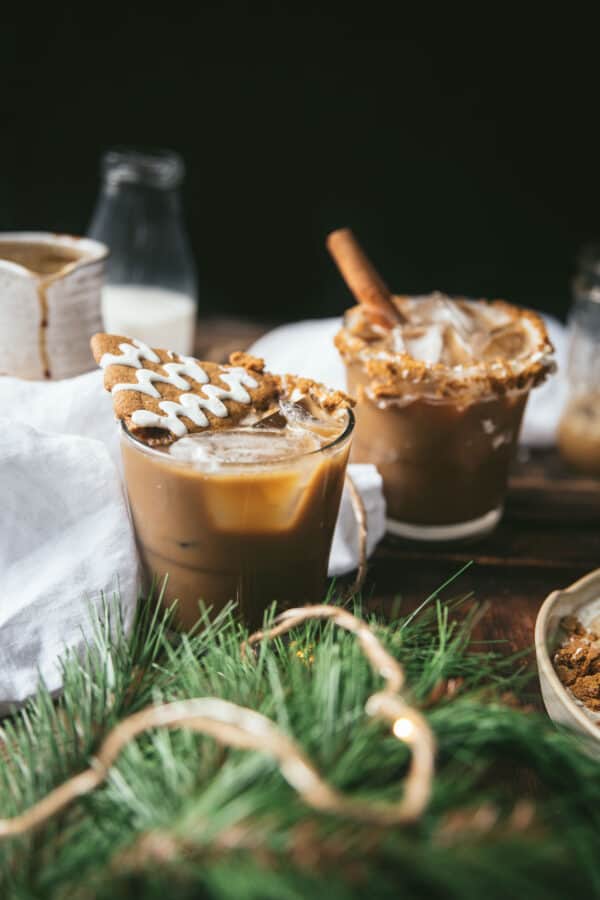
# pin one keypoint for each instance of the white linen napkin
(72, 406)
(344, 551)
(307, 348)
(66, 546)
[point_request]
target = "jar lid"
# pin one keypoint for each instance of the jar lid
(159, 168)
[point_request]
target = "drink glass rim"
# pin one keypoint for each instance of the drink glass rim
(339, 439)
(465, 383)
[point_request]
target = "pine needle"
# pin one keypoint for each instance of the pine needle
(515, 808)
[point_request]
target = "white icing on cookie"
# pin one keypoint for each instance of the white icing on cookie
(130, 356)
(191, 405)
(145, 377)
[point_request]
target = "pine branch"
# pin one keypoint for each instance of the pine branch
(515, 808)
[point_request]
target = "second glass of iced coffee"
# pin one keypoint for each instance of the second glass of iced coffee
(441, 386)
(234, 476)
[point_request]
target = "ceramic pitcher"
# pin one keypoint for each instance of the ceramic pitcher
(50, 303)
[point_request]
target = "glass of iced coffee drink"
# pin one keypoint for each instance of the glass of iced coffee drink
(441, 386)
(235, 483)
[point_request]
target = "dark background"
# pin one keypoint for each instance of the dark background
(461, 152)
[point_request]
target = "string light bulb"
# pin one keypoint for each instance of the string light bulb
(403, 729)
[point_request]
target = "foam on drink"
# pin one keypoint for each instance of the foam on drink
(242, 446)
(284, 433)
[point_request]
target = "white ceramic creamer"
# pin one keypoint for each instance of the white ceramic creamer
(50, 303)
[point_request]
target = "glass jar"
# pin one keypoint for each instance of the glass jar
(150, 288)
(579, 429)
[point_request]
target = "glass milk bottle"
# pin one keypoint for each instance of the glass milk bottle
(150, 288)
(579, 429)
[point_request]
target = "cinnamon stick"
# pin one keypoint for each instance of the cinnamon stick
(362, 278)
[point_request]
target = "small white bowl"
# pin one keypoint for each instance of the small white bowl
(559, 703)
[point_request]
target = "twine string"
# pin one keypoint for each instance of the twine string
(381, 661)
(408, 725)
(247, 729)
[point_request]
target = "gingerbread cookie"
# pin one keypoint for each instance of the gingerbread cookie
(161, 396)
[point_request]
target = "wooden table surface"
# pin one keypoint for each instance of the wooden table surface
(548, 538)
(549, 535)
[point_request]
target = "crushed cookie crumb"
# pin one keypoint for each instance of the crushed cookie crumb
(577, 662)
